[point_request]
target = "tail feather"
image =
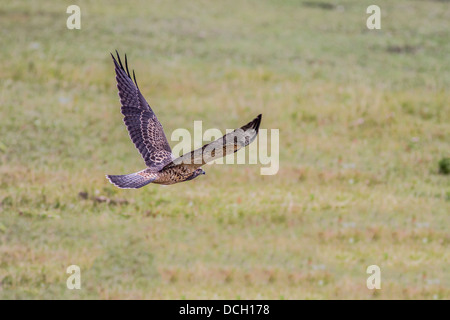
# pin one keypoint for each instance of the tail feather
(131, 181)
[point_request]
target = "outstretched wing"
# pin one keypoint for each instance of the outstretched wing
(145, 130)
(229, 143)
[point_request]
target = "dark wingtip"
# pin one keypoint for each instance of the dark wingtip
(257, 122)
(126, 66)
(119, 64)
(254, 124)
(114, 58)
(134, 77)
(120, 61)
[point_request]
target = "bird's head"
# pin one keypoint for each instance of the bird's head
(196, 173)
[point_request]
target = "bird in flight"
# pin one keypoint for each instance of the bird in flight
(148, 136)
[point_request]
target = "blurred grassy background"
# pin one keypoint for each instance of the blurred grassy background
(363, 118)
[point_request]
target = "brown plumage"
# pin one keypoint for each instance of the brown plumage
(148, 136)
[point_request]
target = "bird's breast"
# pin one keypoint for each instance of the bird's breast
(173, 175)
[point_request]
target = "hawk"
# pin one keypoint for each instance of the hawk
(148, 136)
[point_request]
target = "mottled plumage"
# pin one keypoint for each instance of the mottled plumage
(148, 136)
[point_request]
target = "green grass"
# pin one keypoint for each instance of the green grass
(363, 117)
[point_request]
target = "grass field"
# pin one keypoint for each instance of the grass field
(364, 119)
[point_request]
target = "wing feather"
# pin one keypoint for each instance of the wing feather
(229, 143)
(145, 130)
